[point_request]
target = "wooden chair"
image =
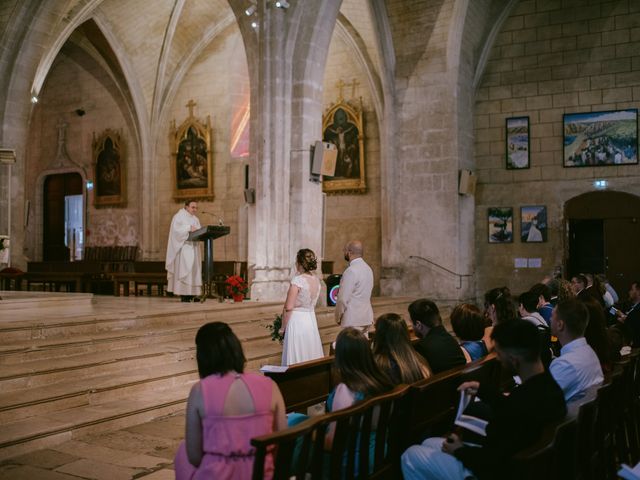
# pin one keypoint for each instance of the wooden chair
(300, 451)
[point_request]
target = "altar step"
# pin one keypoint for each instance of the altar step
(93, 372)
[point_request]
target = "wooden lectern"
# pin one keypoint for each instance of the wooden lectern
(208, 234)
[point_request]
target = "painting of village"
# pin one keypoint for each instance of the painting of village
(601, 138)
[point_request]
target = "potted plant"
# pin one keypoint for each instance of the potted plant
(236, 287)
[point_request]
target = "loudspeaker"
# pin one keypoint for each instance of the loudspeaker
(333, 287)
(467, 183)
(324, 159)
(250, 195)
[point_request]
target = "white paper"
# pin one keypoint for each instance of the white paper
(535, 263)
(520, 262)
(274, 368)
(473, 424)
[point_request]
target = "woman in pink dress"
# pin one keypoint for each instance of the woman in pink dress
(225, 410)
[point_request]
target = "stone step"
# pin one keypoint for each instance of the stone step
(57, 388)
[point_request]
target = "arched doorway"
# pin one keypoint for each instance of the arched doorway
(63, 219)
(603, 236)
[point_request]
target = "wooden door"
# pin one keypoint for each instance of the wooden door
(56, 188)
(622, 252)
(586, 246)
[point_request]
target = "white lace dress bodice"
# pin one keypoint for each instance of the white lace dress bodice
(308, 294)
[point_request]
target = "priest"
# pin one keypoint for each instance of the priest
(183, 263)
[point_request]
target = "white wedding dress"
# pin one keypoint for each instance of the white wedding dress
(301, 338)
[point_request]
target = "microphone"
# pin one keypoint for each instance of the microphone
(220, 220)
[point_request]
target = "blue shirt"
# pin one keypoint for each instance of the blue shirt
(576, 369)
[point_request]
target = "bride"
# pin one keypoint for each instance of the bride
(301, 337)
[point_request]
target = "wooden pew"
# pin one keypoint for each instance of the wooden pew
(305, 384)
(434, 401)
(353, 428)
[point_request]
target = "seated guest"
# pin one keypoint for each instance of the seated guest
(596, 334)
(544, 307)
(517, 420)
(468, 325)
(393, 352)
(595, 289)
(578, 367)
(631, 317)
(528, 302)
(611, 297)
(498, 308)
(225, 410)
(359, 376)
(561, 290)
(436, 345)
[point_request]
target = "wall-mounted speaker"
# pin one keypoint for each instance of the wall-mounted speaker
(324, 159)
(467, 183)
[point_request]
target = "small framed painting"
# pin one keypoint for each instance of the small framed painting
(500, 220)
(533, 224)
(600, 138)
(517, 143)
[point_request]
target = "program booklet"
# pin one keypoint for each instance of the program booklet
(469, 422)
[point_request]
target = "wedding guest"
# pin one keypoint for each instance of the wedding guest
(498, 308)
(393, 352)
(469, 326)
(596, 335)
(436, 345)
(544, 307)
(225, 410)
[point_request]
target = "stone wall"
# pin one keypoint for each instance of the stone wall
(354, 216)
(550, 58)
(218, 82)
(71, 86)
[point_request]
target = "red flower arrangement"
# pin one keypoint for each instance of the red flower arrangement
(236, 285)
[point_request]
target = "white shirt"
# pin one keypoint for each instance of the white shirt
(576, 369)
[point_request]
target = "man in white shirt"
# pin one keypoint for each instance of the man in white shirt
(183, 262)
(353, 308)
(577, 368)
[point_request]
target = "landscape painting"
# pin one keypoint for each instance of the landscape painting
(500, 221)
(533, 224)
(601, 138)
(517, 142)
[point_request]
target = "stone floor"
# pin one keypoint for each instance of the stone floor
(141, 451)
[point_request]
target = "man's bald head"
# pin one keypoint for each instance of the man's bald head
(352, 250)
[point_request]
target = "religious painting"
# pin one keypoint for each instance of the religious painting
(192, 162)
(500, 220)
(109, 170)
(517, 142)
(601, 138)
(533, 224)
(342, 125)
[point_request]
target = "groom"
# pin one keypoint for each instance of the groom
(354, 297)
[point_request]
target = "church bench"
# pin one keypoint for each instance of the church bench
(305, 384)
(434, 401)
(300, 450)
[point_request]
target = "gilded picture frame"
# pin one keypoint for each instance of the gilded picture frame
(109, 170)
(342, 125)
(191, 158)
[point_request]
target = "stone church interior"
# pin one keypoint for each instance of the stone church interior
(479, 157)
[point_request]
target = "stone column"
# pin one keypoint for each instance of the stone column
(286, 119)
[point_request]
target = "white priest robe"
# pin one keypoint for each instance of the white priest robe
(183, 263)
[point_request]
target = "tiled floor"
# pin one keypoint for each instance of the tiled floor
(142, 451)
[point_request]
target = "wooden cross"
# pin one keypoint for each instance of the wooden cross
(190, 106)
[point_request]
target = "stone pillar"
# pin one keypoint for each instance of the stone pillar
(286, 119)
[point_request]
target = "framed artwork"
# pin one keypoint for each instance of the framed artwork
(600, 138)
(517, 143)
(500, 220)
(109, 170)
(533, 224)
(343, 126)
(192, 162)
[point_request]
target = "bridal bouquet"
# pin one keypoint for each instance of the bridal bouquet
(275, 329)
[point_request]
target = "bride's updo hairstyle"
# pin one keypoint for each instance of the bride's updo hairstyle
(307, 260)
